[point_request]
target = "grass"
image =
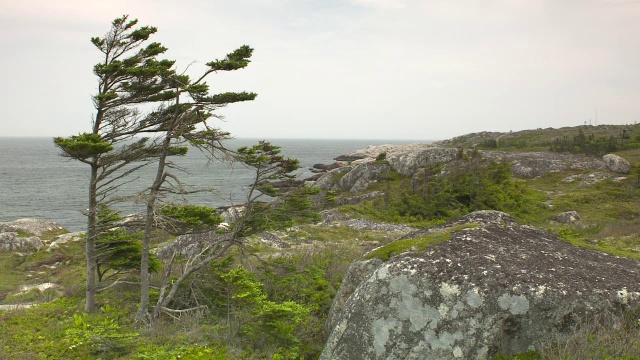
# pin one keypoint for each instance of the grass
(416, 245)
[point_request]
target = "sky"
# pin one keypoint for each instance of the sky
(366, 69)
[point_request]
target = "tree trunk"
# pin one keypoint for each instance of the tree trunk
(143, 308)
(91, 242)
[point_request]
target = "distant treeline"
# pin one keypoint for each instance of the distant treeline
(578, 144)
(592, 145)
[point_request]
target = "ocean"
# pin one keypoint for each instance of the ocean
(35, 182)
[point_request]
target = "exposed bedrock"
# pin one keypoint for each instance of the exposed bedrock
(498, 287)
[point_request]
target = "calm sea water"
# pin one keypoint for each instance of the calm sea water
(36, 182)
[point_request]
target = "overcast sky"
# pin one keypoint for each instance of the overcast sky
(376, 69)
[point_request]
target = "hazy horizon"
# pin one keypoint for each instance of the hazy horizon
(338, 69)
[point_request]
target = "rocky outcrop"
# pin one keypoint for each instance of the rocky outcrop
(491, 288)
(65, 238)
(616, 164)
(32, 226)
(190, 245)
(356, 178)
(9, 241)
(408, 163)
(591, 179)
(566, 217)
(533, 164)
(409, 159)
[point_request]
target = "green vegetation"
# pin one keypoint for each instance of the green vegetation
(474, 184)
(416, 245)
(592, 145)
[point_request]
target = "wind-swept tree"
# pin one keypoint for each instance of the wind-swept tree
(130, 74)
(184, 120)
(194, 252)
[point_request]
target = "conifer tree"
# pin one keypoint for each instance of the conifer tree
(130, 74)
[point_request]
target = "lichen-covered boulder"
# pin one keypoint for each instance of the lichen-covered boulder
(361, 176)
(33, 226)
(352, 178)
(410, 161)
(533, 164)
(9, 241)
(616, 164)
(329, 179)
(65, 238)
(566, 217)
(494, 287)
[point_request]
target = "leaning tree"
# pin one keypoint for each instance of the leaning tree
(129, 75)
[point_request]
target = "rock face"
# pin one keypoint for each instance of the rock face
(566, 217)
(409, 159)
(498, 287)
(616, 164)
(33, 226)
(9, 241)
(356, 178)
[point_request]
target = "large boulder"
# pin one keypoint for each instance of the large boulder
(32, 226)
(533, 164)
(616, 164)
(9, 241)
(353, 178)
(566, 217)
(493, 287)
(409, 162)
(409, 159)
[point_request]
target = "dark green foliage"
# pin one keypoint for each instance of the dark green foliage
(118, 251)
(192, 216)
(267, 162)
(473, 184)
(83, 146)
(292, 208)
(251, 319)
(237, 59)
(489, 144)
(592, 145)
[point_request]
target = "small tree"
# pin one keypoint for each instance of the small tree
(268, 164)
(117, 251)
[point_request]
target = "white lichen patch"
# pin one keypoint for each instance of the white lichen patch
(457, 352)
(624, 296)
(474, 299)
(443, 310)
(381, 331)
(448, 291)
(516, 305)
(539, 291)
(382, 273)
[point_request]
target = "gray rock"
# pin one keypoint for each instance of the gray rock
(566, 217)
(190, 245)
(32, 226)
(361, 176)
(616, 164)
(351, 200)
(9, 241)
(232, 213)
(364, 224)
(274, 240)
(533, 164)
(352, 178)
(65, 238)
(409, 162)
(328, 180)
(498, 287)
(332, 215)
